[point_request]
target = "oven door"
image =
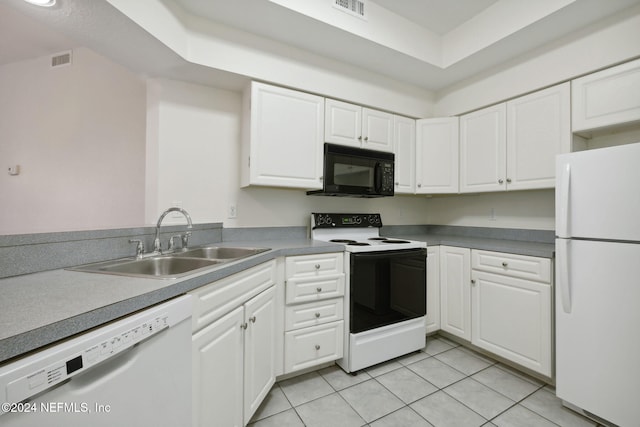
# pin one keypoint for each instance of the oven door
(387, 287)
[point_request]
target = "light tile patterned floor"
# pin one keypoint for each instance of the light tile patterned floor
(442, 385)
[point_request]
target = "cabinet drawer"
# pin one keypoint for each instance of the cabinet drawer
(521, 266)
(214, 300)
(312, 346)
(313, 313)
(314, 289)
(314, 265)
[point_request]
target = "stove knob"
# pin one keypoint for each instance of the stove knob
(357, 219)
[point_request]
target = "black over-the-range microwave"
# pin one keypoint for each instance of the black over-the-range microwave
(356, 172)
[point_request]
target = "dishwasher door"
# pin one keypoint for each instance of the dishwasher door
(135, 371)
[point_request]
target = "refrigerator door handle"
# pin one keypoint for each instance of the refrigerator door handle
(563, 200)
(564, 277)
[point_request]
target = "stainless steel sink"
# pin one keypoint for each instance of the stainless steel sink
(171, 266)
(220, 253)
(162, 267)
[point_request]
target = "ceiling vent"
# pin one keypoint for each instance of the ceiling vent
(61, 59)
(352, 7)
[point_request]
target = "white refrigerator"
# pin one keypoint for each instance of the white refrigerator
(598, 283)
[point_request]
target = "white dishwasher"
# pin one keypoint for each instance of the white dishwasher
(134, 371)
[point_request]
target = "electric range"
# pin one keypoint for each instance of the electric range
(386, 296)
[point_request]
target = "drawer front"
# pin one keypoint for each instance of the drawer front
(214, 300)
(520, 266)
(313, 313)
(312, 346)
(314, 265)
(314, 289)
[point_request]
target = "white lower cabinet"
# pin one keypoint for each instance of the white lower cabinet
(455, 295)
(499, 302)
(512, 308)
(234, 353)
(314, 325)
(433, 289)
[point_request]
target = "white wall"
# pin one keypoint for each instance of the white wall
(517, 209)
(597, 46)
(197, 144)
(78, 134)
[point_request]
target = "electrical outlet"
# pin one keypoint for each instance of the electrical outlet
(233, 211)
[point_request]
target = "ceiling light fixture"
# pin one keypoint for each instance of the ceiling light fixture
(43, 3)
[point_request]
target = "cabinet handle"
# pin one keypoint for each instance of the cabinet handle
(366, 138)
(500, 181)
(244, 326)
(321, 178)
(317, 315)
(317, 347)
(473, 282)
(319, 289)
(317, 266)
(397, 183)
(252, 319)
(504, 264)
(360, 138)
(508, 180)
(419, 185)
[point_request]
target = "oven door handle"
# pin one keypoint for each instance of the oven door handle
(404, 253)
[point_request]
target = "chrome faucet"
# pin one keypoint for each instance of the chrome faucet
(156, 241)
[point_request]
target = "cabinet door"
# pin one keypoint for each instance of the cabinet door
(512, 318)
(483, 150)
(343, 123)
(538, 128)
(606, 98)
(377, 130)
(455, 293)
(404, 131)
(433, 289)
(260, 351)
(217, 353)
(285, 121)
(437, 155)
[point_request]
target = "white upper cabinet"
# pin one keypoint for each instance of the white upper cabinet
(282, 138)
(356, 126)
(405, 151)
(606, 98)
(512, 146)
(483, 140)
(538, 129)
(437, 155)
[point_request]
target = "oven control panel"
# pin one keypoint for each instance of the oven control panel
(332, 220)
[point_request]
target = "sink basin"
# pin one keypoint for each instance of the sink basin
(171, 266)
(162, 267)
(219, 253)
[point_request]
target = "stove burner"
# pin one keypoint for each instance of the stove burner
(358, 244)
(395, 241)
(377, 238)
(347, 241)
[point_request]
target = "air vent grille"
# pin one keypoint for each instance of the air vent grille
(353, 7)
(61, 59)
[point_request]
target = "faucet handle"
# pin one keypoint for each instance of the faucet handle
(171, 244)
(139, 246)
(185, 239)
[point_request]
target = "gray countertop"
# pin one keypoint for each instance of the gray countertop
(41, 308)
(544, 250)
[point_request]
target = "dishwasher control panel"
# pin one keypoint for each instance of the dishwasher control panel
(36, 373)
